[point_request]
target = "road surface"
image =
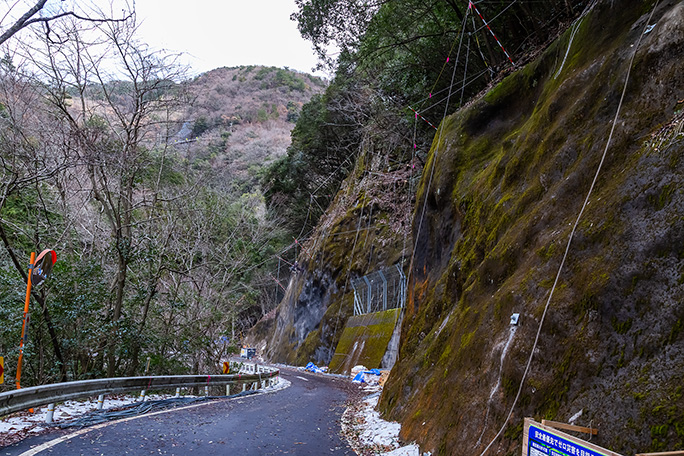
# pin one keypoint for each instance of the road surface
(303, 419)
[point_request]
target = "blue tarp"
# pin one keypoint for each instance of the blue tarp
(370, 376)
(311, 367)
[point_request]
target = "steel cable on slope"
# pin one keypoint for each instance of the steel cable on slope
(410, 187)
(574, 29)
(465, 71)
(495, 17)
(308, 212)
(439, 140)
(346, 283)
(572, 233)
(472, 78)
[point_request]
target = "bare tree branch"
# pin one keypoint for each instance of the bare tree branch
(28, 19)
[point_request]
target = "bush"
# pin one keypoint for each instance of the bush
(200, 126)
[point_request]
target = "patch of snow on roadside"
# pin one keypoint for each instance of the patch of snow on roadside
(367, 433)
(408, 450)
(377, 431)
(33, 423)
(281, 385)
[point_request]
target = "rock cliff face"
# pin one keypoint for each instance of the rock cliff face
(505, 182)
(509, 175)
(366, 228)
(299, 314)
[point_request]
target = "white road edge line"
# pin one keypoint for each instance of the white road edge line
(44, 446)
(302, 378)
(64, 438)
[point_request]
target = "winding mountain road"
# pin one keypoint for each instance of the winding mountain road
(303, 419)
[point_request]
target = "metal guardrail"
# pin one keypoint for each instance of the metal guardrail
(35, 396)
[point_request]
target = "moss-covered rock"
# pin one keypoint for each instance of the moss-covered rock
(510, 175)
(364, 341)
(501, 190)
(366, 228)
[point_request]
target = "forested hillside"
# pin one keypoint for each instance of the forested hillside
(146, 184)
(500, 219)
(242, 118)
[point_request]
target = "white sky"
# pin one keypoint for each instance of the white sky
(217, 33)
(209, 33)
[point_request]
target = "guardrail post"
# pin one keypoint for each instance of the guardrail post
(50, 413)
(227, 389)
(14, 401)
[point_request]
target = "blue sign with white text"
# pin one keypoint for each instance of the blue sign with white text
(544, 443)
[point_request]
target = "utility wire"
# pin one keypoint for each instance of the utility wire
(439, 140)
(572, 234)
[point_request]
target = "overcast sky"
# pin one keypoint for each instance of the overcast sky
(217, 33)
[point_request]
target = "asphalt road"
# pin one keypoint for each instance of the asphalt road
(303, 419)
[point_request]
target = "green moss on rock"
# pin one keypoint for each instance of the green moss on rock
(364, 340)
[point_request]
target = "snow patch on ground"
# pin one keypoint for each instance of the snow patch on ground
(280, 385)
(408, 450)
(22, 424)
(34, 423)
(368, 434)
(375, 430)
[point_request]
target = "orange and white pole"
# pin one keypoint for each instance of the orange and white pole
(25, 322)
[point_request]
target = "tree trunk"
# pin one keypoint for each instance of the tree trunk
(135, 350)
(118, 303)
(458, 12)
(53, 338)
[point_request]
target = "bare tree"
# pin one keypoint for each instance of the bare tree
(29, 157)
(32, 15)
(115, 94)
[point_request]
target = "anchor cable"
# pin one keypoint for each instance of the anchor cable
(572, 234)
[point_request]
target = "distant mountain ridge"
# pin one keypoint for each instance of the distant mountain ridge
(240, 117)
